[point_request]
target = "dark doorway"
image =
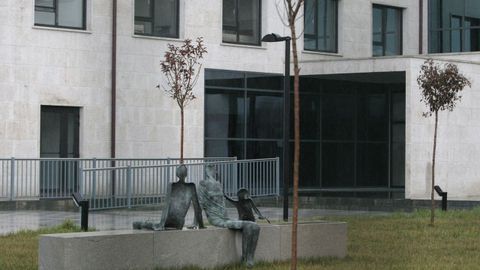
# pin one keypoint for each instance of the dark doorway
(59, 133)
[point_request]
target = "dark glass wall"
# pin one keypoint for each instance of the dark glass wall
(243, 114)
(454, 26)
(352, 131)
(352, 125)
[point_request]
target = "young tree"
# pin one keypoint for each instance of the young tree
(181, 67)
(292, 9)
(441, 88)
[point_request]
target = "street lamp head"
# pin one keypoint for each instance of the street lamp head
(274, 38)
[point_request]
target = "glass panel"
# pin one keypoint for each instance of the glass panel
(338, 165)
(143, 27)
(398, 110)
(435, 41)
(372, 115)
(224, 114)
(45, 18)
(224, 78)
(229, 25)
(398, 164)
(445, 39)
(392, 46)
(265, 112)
(50, 134)
(310, 123)
(372, 167)
(224, 149)
(249, 21)
(262, 81)
(338, 116)
(471, 36)
(377, 21)
(472, 8)
(70, 13)
(45, 3)
(258, 149)
(165, 18)
(310, 169)
(142, 8)
(310, 42)
(309, 18)
(327, 25)
(434, 14)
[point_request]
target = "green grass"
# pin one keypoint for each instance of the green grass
(20, 250)
(402, 241)
(397, 241)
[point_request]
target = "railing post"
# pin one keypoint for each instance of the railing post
(129, 186)
(12, 178)
(81, 189)
(235, 176)
(277, 176)
(94, 178)
(168, 170)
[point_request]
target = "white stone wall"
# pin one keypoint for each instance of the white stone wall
(458, 147)
(44, 66)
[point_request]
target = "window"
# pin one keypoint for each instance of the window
(156, 18)
(320, 25)
(454, 26)
(387, 31)
(241, 21)
(61, 13)
(243, 114)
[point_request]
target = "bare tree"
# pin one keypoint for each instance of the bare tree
(441, 88)
(181, 67)
(292, 9)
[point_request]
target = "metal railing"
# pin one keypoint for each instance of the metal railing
(50, 178)
(117, 187)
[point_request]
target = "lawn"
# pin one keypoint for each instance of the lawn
(20, 250)
(397, 241)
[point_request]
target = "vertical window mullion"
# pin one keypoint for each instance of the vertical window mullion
(237, 19)
(55, 10)
(152, 16)
(316, 24)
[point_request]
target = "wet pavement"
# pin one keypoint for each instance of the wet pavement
(11, 221)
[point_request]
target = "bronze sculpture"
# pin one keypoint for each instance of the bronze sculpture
(212, 201)
(245, 206)
(179, 197)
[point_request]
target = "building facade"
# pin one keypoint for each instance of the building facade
(75, 84)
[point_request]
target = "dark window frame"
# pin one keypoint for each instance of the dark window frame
(237, 26)
(384, 33)
(449, 29)
(316, 35)
(54, 10)
(151, 19)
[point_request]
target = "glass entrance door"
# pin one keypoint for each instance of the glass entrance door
(59, 133)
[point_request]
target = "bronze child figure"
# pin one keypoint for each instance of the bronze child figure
(245, 206)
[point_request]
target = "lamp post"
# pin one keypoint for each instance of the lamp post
(286, 118)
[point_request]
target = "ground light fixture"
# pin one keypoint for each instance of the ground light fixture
(286, 117)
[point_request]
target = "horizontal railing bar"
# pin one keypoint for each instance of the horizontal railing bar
(176, 165)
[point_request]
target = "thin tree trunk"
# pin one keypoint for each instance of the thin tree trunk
(182, 117)
(432, 214)
(296, 156)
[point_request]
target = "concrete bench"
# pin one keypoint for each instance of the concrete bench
(211, 247)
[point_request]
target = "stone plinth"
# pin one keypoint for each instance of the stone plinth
(129, 249)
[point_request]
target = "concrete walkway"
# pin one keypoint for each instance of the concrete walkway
(11, 221)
